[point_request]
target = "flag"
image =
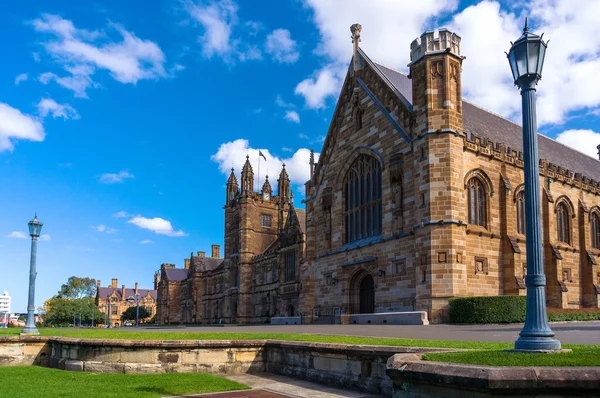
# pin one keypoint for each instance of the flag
(261, 154)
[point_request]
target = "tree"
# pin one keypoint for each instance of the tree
(64, 311)
(129, 314)
(77, 288)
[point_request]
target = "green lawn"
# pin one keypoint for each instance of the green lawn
(34, 381)
(581, 356)
(118, 334)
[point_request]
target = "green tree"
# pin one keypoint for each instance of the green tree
(77, 288)
(129, 314)
(63, 311)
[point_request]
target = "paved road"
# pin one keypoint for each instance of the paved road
(567, 333)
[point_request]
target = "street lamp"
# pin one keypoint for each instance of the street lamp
(526, 59)
(137, 309)
(35, 227)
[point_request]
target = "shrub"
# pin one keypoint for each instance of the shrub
(580, 314)
(491, 309)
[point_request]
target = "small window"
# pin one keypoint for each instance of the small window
(476, 200)
(276, 274)
(520, 200)
(265, 220)
(563, 223)
(290, 266)
(595, 232)
(399, 267)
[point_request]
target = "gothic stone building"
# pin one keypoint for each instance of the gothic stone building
(417, 197)
(258, 277)
(120, 299)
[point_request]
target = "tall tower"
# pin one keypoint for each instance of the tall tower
(435, 70)
(247, 178)
(232, 188)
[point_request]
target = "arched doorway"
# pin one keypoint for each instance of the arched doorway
(367, 295)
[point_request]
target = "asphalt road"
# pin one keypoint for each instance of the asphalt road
(567, 333)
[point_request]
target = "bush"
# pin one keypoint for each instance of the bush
(491, 309)
(581, 314)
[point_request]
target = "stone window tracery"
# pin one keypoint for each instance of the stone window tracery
(595, 230)
(362, 193)
(520, 200)
(476, 201)
(290, 266)
(563, 223)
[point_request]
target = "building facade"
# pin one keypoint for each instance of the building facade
(114, 301)
(5, 301)
(258, 277)
(417, 197)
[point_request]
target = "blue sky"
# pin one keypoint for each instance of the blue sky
(120, 121)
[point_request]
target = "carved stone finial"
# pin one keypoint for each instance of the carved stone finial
(355, 29)
(598, 148)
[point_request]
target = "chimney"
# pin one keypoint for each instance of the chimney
(99, 283)
(115, 283)
(201, 254)
(186, 263)
(216, 251)
(122, 292)
(136, 288)
(598, 148)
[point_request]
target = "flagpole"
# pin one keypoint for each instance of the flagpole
(258, 185)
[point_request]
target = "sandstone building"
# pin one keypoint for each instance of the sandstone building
(417, 197)
(117, 298)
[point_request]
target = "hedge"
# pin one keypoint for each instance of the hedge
(508, 309)
(489, 309)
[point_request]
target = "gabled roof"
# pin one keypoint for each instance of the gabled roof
(176, 274)
(499, 130)
(106, 292)
(202, 264)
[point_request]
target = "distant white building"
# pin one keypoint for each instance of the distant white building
(5, 303)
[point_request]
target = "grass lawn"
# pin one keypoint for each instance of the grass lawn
(581, 356)
(318, 338)
(34, 381)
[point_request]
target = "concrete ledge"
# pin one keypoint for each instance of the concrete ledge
(286, 320)
(412, 377)
(391, 318)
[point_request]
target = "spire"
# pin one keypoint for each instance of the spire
(312, 162)
(232, 187)
(247, 177)
(267, 186)
(283, 186)
(232, 179)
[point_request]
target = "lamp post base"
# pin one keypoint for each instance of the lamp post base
(29, 331)
(537, 344)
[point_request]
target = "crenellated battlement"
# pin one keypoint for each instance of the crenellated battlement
(483, 146)
(428, 44)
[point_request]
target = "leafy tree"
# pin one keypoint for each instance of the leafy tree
(77, 288)
(129, 314)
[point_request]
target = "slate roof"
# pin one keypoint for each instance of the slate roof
(202, 264)
(497, 129)
(176, 274)
(106, 292)
(301, 214)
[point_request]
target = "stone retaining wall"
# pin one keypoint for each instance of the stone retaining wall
(349, 366)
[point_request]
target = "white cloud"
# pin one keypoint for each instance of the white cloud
(286, 149)
(82, 52)
(103, 228)
(292, 116)
(324, 83)
(281, 47)
(21, 78)
(146, 242)
(17, 235)
(583, 140)
(157, 225)
(282, 104)
(384, 38)
(113, 178)
(234, 153)
(14, 125)
(121, 214)
(49, 106)
(44, 237)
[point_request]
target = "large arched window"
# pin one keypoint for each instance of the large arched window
(362, 198)
(476, 201)
(520, 201)
(563, 223)
(595, 232)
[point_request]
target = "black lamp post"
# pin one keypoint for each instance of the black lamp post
(35, 227)
(526, 58)
(137, 309)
